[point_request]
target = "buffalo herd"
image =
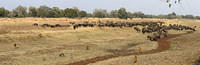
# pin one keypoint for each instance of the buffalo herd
(51, 26)
(157, 29)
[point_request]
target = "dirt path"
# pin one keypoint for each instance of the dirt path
(162, 45)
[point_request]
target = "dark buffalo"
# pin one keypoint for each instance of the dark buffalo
(35, 24)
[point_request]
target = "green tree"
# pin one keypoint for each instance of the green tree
(3, 12)
(188, 16)
(51, 13)
(149, 16)
(130, 15)
(20, 11)
(71, 13)
(197, 17)
(172, 15)
(13, 14)
(113, 14)
(58, 12)
(82, 14)
(32, 11)
(100, 13)
(138, 15)
(162, 16)
(89, 15)
(178, 16)
(122, 13)
(42, 11)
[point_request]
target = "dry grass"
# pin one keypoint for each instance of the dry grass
(185, 52)
(4, 30)
(40, 46)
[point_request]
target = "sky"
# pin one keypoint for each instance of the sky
(155, 7)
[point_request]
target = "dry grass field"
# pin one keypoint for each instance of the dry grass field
(45, 46)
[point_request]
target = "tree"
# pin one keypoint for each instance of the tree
(172, 15)
(82, 14)
(32, 11)
(89, 15)
(101, 13)
(197, 17)
(162, 16)
(130, 15)
(71, 13)
(138, 15)
(57, 12)
(20, 11)
(51, 13)
(122, 13)
(3, 12)
(42, 11)
(13, 14)
(149, 16)
(113, 14)
(178, 16)
(189, 17)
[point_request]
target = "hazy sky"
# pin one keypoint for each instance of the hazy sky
(146, 6)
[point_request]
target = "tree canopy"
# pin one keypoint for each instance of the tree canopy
(122, 13)
(20, 11)
(3, 12)
(101, 13)
(32, 11)
(45, 11)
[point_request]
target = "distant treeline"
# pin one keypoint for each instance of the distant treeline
(55, 12)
